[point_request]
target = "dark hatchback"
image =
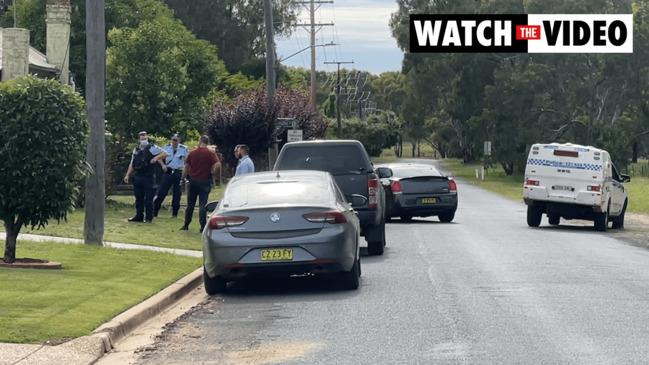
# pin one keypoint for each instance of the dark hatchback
(418, 190)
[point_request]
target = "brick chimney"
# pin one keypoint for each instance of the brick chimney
(58, 36)
(15, 53)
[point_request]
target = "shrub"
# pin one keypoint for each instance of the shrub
(44, 129)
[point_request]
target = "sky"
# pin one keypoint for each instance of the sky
(362, 31)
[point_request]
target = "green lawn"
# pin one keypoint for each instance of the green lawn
(163, 232)
(512, 186)
(496, 180)
(94, 285)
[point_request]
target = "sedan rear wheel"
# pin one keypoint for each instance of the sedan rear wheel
(447, 217)
(214, 285)
(350, 280)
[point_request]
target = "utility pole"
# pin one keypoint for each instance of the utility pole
(339, 133)
(270, 74)
(313, 28)
(95, 192)
(270, 51)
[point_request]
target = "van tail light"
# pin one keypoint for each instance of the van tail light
(532, 182)
(452, 185)
(395, 186)
(372, 187)
(332, 217)
(594, 188)
(222, 221)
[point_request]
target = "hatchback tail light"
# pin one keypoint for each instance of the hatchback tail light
(532, 182)
(372, 187)
(222, 221)
(452, 185)
(395, 186)
(594, 188)
(332, 217)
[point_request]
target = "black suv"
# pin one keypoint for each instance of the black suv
(352, 169)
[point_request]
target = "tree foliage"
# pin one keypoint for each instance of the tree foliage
(515, 100)
(250, 119)
(160, 78)
(44, 129)
(376, 132)
(236, 28)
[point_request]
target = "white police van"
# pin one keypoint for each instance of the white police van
(573, 182)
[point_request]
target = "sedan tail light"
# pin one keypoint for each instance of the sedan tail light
(395, 186)
(452, 185)
(332, 217)
(222, 221)
(372, 187)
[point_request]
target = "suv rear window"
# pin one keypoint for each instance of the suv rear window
(337, 160)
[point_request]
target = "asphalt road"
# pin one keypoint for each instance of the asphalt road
(485, 289)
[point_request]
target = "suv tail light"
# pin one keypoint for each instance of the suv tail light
(594, 188)
(372, 187)
(332, 217)
(452, 185)
(532, 182)
(395, 186)
(222, 221)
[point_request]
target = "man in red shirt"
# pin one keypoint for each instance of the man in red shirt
(200, 166)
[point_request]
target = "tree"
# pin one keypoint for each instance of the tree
(160, 78)
(44, 128)
(248, 119)
(236, 28)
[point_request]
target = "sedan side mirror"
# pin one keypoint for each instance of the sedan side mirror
(384, 172)
(358, 200)
(625, 178)
(211, 206)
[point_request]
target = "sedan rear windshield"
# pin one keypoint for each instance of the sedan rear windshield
(260, 193)
(337, 160)
(405, 172)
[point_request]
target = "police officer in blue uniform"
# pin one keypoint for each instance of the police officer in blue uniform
(173, 169)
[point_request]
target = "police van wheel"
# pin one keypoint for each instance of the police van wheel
(618, 222)
(534, 215)
(601, 221)
(554, 219)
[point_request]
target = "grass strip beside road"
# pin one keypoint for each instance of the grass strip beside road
(95, 284)
(163, 232)
(512, 186)
(496, 181)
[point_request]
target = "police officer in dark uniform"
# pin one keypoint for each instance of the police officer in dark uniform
(173, 169)
(145, 156)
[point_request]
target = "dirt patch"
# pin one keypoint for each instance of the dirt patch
(27, 263)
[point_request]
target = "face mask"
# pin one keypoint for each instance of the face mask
(144, 142)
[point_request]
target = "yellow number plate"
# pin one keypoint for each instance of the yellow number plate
(279, 254)
(429, 201)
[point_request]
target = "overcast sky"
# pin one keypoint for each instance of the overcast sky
(362, 30)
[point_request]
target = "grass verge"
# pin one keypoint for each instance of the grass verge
(163, 232)
(95, 284)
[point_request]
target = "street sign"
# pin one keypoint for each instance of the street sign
(294, 135)
(487, 148)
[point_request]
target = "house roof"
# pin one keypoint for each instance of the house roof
(37, 60)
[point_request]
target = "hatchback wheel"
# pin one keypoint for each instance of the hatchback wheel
(601, 221)
(214, 285)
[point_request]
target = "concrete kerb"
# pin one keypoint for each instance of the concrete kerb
(123, 324)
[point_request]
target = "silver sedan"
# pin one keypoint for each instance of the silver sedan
(288, 222)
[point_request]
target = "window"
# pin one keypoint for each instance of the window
(337, 160)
